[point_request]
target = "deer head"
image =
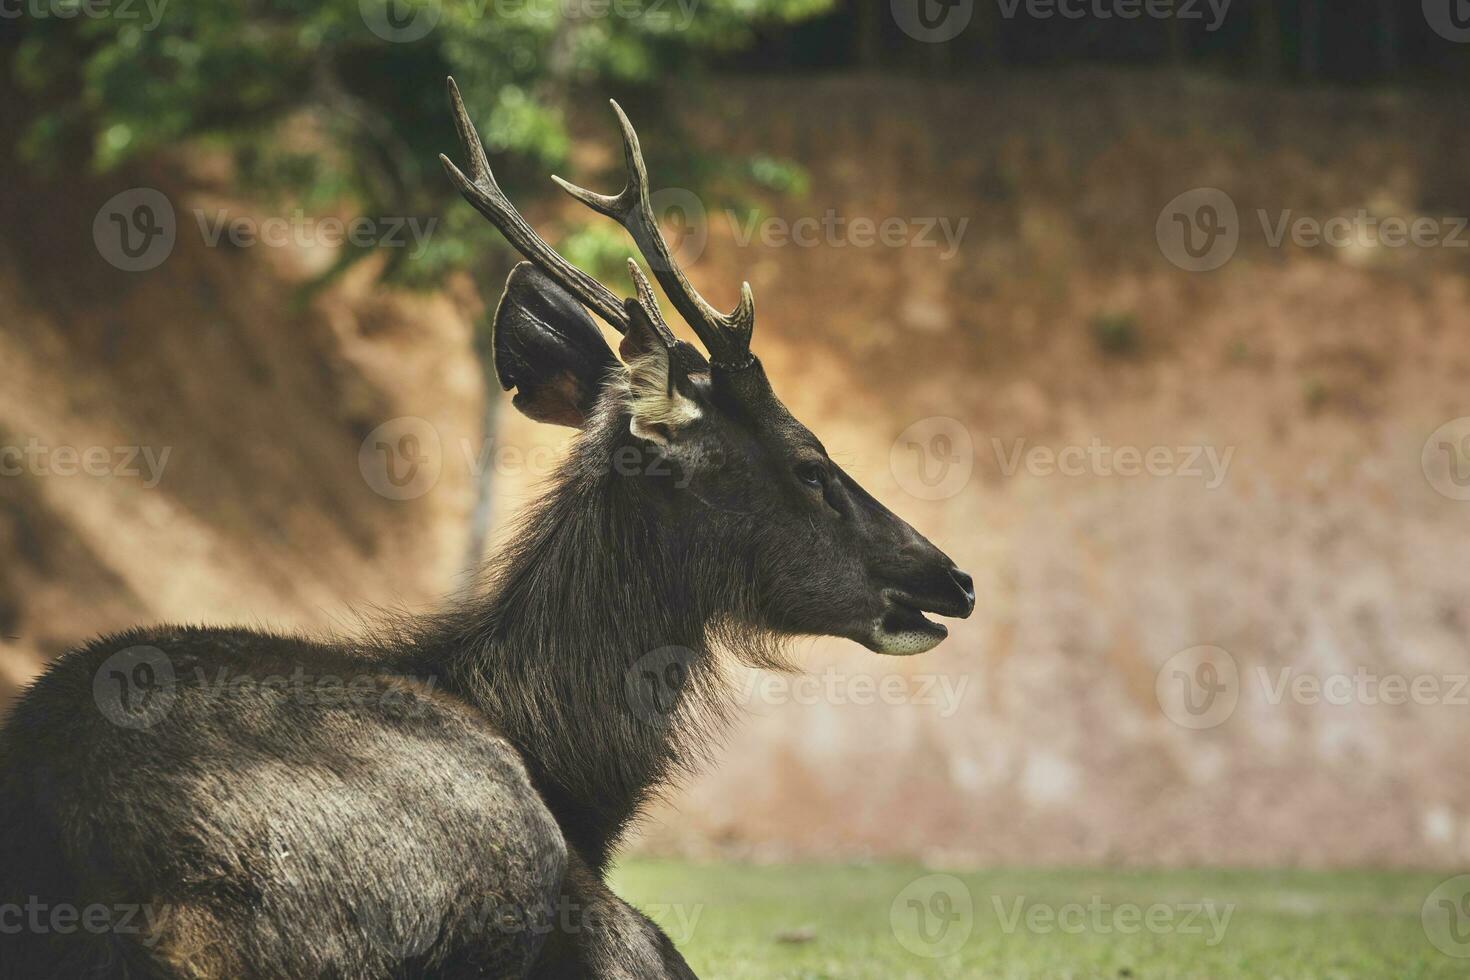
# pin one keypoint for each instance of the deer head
(817, 554)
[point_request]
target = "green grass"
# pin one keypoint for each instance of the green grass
(823, 921)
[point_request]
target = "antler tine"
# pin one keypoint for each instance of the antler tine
(649, 302)
(485, 195)
(725, 335)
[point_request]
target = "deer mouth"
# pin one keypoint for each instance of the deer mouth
(903, 630)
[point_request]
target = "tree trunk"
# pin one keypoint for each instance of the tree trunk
(1310, 56)
(987, 47)
(484, 480)
(1388, 37)
(1267, 23)
(870, 34)
(1178, 40)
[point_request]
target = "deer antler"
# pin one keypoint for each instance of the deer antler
(480, 189)
(649, 302)
(725, 335)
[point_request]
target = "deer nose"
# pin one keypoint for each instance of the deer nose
(967, 586)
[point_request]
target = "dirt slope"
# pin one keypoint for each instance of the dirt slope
(225, 422)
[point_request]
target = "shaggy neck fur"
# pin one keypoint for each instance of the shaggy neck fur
(593, 647)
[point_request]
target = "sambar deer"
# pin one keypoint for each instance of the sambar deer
(443, 798)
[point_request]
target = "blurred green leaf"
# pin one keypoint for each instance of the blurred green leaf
(316, 104)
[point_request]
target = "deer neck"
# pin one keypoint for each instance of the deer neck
(590, 653)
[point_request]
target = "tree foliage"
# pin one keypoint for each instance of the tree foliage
(330, 100)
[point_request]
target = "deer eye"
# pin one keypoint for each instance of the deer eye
(811, 474)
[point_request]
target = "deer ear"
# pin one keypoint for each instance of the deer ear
(548, 349)
(658, 403)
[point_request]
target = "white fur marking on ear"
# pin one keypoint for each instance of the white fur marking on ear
(656, 409)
